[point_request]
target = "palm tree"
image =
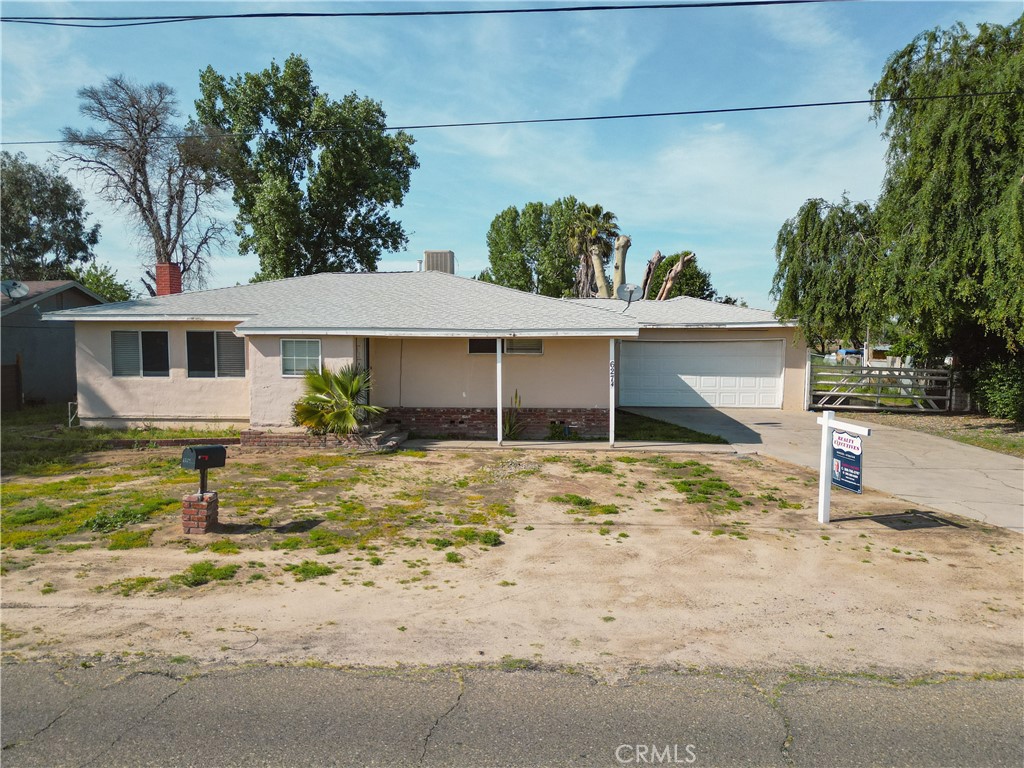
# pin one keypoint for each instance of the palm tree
(591, 240)
(336, 402)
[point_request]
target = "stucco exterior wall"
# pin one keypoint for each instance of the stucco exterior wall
(440, 373)
(174, 400)
(795, 355)
(271, 393)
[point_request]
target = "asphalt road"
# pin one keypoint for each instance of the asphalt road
(164, 714)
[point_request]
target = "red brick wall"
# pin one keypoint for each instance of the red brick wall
(481, 422)
(168, 279)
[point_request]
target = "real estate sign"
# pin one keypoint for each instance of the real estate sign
(846, 465)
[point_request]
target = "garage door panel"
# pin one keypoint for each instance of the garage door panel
(738, 374)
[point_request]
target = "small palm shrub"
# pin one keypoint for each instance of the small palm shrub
(336, 401)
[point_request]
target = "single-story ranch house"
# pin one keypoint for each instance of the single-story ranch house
(447, 355)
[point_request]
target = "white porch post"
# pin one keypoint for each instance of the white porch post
(611, 393)
(498, 345)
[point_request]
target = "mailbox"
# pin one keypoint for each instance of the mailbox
(203, 457)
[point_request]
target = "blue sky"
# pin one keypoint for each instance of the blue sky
(720, 186)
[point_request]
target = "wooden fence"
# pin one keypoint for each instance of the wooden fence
(868, 388)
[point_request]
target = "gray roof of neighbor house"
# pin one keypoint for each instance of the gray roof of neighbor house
(688, 312)
(38, 290)
(372, 304)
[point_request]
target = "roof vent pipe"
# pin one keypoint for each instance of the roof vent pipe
(419, 265)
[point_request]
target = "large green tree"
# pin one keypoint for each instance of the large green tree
(542, 247)
(951, 213)
(822, 254)
(692, 281)
(43, 229)
(102, 279)
(314, 179)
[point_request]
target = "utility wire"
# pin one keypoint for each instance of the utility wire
(595, 118)
(109, 22)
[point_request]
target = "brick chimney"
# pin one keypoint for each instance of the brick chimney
(168, 278)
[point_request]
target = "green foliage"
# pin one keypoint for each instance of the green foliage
(314, 179)
(692, 281)
(998, 388)
(105, 522)
(204, 572)
(130, 539)
(102, 279)
(309, 569)
(537, 249)
(823, 253)
(633, 426)
(592, 230)
(952, 207)
(512, 425)
(336, 402)
(43, 231)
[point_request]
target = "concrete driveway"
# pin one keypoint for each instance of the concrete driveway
(929, 471)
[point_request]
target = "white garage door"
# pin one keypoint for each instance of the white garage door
(701, 374)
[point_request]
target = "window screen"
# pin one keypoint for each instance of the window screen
(125, 354)
(230, 354)
(524, 346)
(299, 356)
(139, 353)
(215, 353)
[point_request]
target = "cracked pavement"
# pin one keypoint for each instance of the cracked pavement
(153, 713)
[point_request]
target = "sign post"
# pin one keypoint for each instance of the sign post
(841, 454)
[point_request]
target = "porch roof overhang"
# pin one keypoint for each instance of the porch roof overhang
(443, 333)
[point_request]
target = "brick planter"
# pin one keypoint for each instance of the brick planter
(199, 512)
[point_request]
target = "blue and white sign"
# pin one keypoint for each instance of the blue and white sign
(846, 465)
(841, 451)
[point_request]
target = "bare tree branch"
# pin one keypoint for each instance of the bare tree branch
(165, 185)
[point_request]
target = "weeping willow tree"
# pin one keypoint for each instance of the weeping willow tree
(951, 211)
(821, 254)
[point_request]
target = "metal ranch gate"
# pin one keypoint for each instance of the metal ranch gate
(870, 388)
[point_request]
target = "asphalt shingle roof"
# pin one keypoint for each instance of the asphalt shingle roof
(369, 303)
(685, 311)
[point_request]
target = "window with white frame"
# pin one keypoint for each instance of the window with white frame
(139, 353)
(299, 356)
(215, 354)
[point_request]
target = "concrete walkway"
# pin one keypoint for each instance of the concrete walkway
(923, 469)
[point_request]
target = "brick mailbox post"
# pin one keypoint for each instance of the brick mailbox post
(199, 510)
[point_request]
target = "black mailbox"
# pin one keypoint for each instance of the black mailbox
(203, 457)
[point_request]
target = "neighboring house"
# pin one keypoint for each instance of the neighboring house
(447, 353)
(39, 357)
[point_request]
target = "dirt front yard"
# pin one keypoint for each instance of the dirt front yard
(608, 561)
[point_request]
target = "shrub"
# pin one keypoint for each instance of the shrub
(998, 388)
(309, 569)
(336, 401)
(203, 572)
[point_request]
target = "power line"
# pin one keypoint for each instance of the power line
(596, 118)
(110, 22)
